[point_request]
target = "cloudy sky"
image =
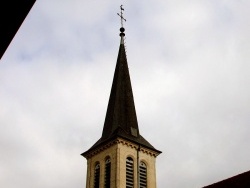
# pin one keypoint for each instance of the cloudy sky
(189, 66)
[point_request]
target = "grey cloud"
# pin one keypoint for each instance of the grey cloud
(189, 69)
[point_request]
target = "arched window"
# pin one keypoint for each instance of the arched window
(143, 175)
(129, 173)
(97, 175)
(107, 172)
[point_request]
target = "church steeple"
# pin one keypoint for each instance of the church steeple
(121, 150)
(121, 119)
(121, 114)
(121, 109)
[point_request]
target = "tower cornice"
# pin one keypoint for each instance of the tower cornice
(123, 142)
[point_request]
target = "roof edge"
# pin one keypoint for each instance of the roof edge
(111, 141)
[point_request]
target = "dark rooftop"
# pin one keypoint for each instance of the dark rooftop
(238, 181)
(12, 16)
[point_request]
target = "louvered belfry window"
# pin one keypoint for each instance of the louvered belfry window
(107, 173)
(143, 175)
(129, 173)
(97, 176)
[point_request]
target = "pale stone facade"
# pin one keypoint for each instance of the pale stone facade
(118, 151)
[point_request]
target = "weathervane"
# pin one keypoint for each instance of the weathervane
(121, 15)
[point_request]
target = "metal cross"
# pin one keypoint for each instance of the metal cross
(121, 15)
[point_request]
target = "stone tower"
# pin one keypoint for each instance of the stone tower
(121, 158)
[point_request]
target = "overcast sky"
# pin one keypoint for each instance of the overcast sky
(189, 67)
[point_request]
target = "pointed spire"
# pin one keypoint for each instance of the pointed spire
(121, 119)
(121, 112)
(121, 109)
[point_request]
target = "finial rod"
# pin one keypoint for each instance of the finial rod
(121, 15)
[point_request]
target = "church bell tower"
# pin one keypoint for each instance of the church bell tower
(121, 158)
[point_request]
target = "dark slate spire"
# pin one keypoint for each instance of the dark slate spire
(121, 109)
(121, 120)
